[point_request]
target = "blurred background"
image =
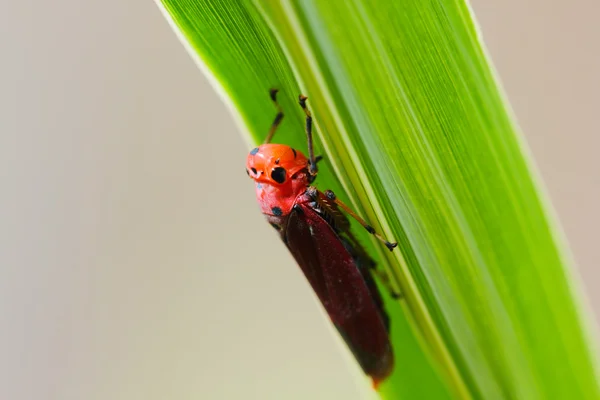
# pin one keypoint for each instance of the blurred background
(134, 261)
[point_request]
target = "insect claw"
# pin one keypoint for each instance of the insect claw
(273, 93)
(396, 295)
(391, 246)
(302, 100)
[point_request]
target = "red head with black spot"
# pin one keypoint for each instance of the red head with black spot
(281, 175)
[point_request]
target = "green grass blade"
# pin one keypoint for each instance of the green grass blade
(418, 139)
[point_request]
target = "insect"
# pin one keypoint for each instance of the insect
(318, 235)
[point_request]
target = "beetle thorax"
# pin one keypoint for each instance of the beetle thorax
(280, 199)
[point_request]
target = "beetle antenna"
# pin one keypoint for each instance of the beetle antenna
(278, 117)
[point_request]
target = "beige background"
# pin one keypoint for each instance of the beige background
(131, 242)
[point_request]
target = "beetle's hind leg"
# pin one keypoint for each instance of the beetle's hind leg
(384, 278)
(331, 196)
(368, 265)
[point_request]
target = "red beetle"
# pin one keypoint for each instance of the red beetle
(318, 236)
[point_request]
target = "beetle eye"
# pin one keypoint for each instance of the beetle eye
(278, 174)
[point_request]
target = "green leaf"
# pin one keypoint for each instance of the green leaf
(418, 139)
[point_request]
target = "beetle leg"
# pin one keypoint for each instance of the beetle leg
(367, 265)
(385, 281)
(278, 117)
(331, 196)
(311, 178)
(311, 151)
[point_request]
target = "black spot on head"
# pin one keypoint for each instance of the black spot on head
(277, 161)
(294, 151)
(247, 172)
(277, 211)
(254, 151)
(253, 170)
(274, 225)
(278, 174)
